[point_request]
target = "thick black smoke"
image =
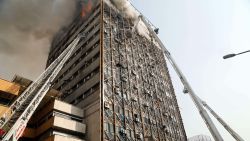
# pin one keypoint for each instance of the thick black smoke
(26, 30)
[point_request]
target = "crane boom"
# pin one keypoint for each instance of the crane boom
(212, 128)
(225, 125)
(17, 116)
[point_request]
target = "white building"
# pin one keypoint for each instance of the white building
(200, 138)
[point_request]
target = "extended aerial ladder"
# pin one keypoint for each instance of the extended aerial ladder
(15, 119)
(188, 89)
(225, 125)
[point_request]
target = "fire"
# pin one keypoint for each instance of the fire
(86, 8)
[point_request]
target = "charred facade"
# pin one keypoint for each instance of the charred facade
(119, 78)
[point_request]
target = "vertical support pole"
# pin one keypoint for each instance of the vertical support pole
(133, 107)
(112, 74)
(101, 71)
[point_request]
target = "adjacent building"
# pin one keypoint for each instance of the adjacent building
(53, 120)
(118, 78)
(8, 92)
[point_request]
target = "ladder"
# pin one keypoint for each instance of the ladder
(225, 125)
(188, 89)
(15, 119)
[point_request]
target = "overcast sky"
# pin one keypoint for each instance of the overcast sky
(198, 33)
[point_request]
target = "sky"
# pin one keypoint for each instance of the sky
(198, 33)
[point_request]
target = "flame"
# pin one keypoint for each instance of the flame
(86, 8)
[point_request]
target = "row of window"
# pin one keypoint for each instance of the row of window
(136, 118)
(82, 81)
(73, 27)
(131, 134)
(86, 43)
(86, 94)
(52, 114)
(85, 28)
(146, 105)
(120, 131)
(67, 42)
(146, 100)
(86, 64)
(78, 72)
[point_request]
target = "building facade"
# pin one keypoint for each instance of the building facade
(118, 78)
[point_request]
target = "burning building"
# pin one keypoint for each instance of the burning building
(117, 75)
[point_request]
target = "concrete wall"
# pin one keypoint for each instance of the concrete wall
(61, 138)
(59, 106)
(3, 108)
(56, 122)
(92, 120)
(68, 108)
(9, 87)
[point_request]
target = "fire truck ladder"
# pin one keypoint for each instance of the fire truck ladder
(225, 125)
(188, 89)
(15, 119)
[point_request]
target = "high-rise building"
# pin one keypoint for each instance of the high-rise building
(118, 76)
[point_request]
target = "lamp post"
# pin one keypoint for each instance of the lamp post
(233, 54)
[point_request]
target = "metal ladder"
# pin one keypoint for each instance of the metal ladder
(236, 136)
(201, 105)
(15, 119)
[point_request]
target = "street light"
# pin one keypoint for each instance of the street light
(233, 54)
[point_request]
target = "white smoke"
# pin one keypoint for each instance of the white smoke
(142, 29)
(26, 30)
(125, 7)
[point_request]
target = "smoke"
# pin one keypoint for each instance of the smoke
(142, 29)
(125, 7)
(26, 31)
